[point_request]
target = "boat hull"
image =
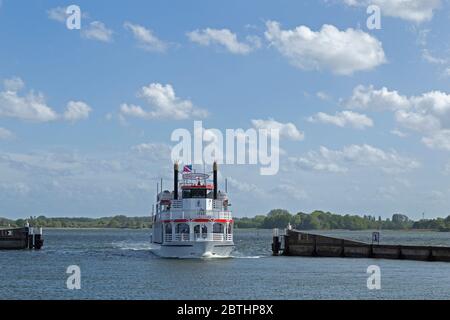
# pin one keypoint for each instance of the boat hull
(194, 249)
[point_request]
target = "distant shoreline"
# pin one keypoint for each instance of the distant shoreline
(277, 218)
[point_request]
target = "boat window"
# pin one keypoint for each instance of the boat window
(198, 193)
(194, 193)
(186, 194)
(218, 228)
(197, 229)
(204, 231)
(168, 228)
(182, 228)
(230, 228)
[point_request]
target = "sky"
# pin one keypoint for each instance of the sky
(86, 116)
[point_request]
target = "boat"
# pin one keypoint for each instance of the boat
(194, 220)
(21, 238)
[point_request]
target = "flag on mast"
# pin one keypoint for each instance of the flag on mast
(187, 168)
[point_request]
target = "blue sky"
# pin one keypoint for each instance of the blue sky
(372, 106)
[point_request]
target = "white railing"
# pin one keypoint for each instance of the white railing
(177, 204)
(182, 237)
(217, 236)
(198, 237)
(193, 214)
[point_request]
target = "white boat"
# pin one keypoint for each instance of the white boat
(194, 220)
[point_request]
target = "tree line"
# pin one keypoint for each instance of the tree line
(105, 222)
(320, 220)
(278, 218)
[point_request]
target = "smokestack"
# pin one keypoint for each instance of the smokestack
(215, 179)
(175, 181)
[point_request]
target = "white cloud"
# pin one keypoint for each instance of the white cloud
(427, 56)
(438, 140)
(343, 119)
(342, 52)
(410, 10)
(417, 121)
(225, 38)
(428, 113)
(146, 38)
(398, 133)
(57, 14)
(163, 103)
(31, 107)
(5, 134)
(323, 96)
(76, 110)
(13, 84)
(340, 161)
(368, 98)
(97, 30)
(288, 130)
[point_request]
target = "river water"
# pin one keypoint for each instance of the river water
(117, 264)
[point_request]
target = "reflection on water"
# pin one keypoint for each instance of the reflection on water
(118, 264)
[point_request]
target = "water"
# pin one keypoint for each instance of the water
(117, 264)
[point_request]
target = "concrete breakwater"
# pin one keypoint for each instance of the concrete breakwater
(297, 243)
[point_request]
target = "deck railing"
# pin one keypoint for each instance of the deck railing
(198, 237)
(194, 213)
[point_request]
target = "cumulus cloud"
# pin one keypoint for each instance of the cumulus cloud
(428, 113)
(146, 39)
(340, 161)
(438, 140)
(341, 52)
(162, 103)
(411, 10)
(97, 30)
(343, 119)
(13, 84)
(33, 107)
(29, 107)
(76, 110)
(287, 130)
(225, 38)
(368, 98)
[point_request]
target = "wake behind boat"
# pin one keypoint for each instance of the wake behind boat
(195, 223)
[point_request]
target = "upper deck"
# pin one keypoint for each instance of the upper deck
(196, 208)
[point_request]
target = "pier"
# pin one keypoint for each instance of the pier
(297, 243)
(21, 238)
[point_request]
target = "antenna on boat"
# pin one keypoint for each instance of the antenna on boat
(161, 185)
